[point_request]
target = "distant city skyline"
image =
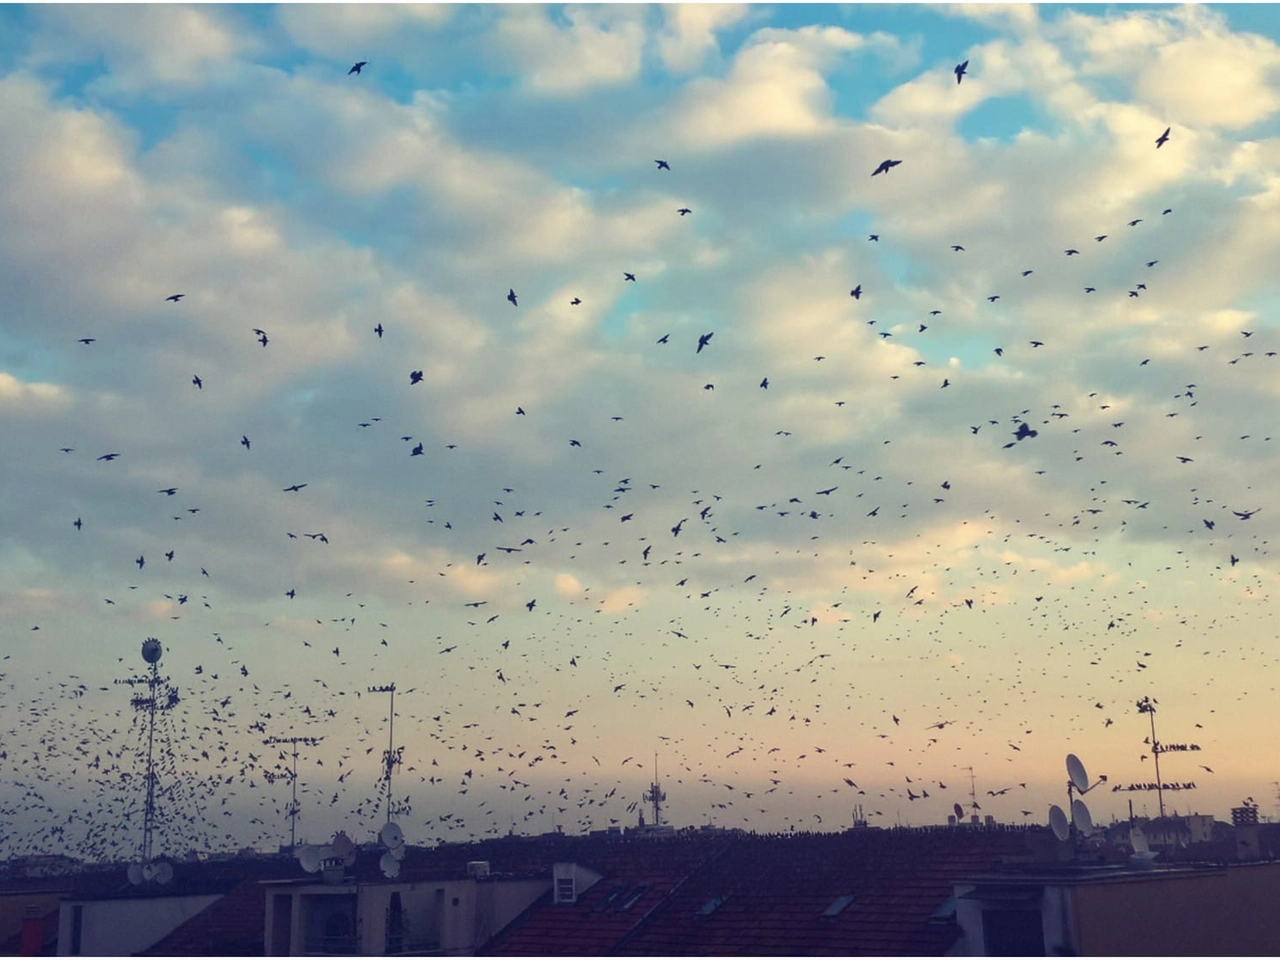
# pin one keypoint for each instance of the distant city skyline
(827, 399)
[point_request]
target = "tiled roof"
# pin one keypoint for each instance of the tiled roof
(776, 891)
(865, 892)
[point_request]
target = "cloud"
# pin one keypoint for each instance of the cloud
(688, 34)
(594, 46)
(20, 397)
(775, 88)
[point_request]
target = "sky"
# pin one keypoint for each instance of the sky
(520, 369)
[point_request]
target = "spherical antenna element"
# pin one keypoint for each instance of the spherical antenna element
(1058, 822)
(1075, 770)
(151, 650)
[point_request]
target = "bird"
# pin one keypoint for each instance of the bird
(684, 211)
(628, 276)
(664, 338)
(957, 248)
(357, 67)
(662, 165)
(295, 488)
(86, 340)
(764, 384)
(703, 340)
(175, 297)
(511, 296)
(415, 376)
(574, 302)
(378, 330)
(109, 456)
(78, 523)
(961, 69)
(1163, 138)
(856, 292)
(244, 441)
(885, 166)
(199, 384)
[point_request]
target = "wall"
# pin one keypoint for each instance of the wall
(1220, 912)
(119, 928)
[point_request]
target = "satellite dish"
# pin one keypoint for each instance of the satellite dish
(1081, 818)
(135, 873)
(164, 872)
(390, 866)
(391, 835)
(309, 858)
(398, 852)
(1138, 839)
(959, 811)
(342, 845)
(1058, 822)
(151, 650)
(1075, 770)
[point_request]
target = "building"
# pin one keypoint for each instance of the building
(1131, 909)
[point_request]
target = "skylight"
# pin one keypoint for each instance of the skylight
(712, 905)
(632, 897)
(837, 905)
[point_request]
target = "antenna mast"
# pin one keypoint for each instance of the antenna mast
(655, 796)
(293, 778)
(390, 759)
(973, 789)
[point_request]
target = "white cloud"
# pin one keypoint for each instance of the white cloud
(775, 88)
(689, 30)
(30, 397)
(364, 31)
(598, 46)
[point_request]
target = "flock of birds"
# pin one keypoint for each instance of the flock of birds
(501, 724)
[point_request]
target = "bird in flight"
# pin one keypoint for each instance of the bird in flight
(175, 297)
(664, 338)
(961, 69)
(415, 376)
(683, 211)
(198, 382)
(357, 67)
(662, 165)
(856, 292)
(574, 302)
(628, 276)
(885, 166)
(378, 330)
(244, 441)
(86, 340)
(109, 456)
(703, 340)
(295, 488)
(1163, 138)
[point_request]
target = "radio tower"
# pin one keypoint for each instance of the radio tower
(390, 759)
(655, 796)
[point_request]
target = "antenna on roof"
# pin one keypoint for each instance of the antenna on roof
(160, 697)
(293, 777)
(391, 759)
(1081, 821)
(655, 795)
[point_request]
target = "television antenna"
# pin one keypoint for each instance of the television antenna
(973, 789)
(160, 697)
(293, 777)
(392, 756)
(655, 795)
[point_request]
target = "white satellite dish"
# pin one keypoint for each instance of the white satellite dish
(135, 873)
(959, 811)
(391, 835)
(1075, 770)
(1058, 822)
(164, 872)
(1138, 839)
(398, 852)
(1081, 818)
(343, 846)
(390, 866)
(309, 858)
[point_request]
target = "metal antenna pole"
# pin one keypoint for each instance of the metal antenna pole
(390, 758)
(1147, 705)
(149, 814)
(294, 809)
